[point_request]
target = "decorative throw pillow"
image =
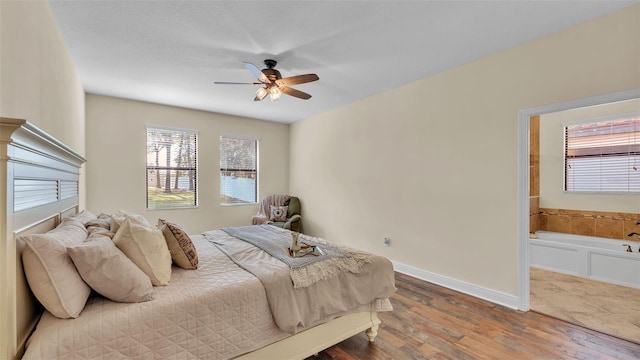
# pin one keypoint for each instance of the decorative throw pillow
(51, 275)
(110, 272)
(278, 213)
(146, 247)
(183, 252)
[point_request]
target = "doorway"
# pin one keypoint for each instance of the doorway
(524, 180)
(582, 217)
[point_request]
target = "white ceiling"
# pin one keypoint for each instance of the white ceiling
(171, 52)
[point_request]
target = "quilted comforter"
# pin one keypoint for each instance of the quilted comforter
(218, 311)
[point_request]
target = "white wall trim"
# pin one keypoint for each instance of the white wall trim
(493, 296)
(523, 176)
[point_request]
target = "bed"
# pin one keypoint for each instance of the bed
(218, 311)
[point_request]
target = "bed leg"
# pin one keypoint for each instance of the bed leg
(372, 332)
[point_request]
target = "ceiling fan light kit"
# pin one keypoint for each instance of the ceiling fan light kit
(272, 84)
(260, 94)
(275, 93)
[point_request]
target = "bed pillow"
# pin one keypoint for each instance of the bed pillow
(51, 275)
(104, 216)
(103, 223)
(146, 247)
(183, 253)
(83, 216)
(119, 217)
(102, 231)
(110, 272)
(278, 213)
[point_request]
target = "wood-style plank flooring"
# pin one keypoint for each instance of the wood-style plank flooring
(432, 322)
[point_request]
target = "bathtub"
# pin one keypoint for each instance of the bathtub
(586, 256)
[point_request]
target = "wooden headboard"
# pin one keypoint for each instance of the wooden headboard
(39, 183)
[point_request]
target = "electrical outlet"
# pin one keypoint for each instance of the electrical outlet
(387, 241)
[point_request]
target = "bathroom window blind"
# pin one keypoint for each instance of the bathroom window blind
(238, 170)
(171, 168)
(603, 156)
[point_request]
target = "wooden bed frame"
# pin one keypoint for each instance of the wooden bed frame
(39, 178)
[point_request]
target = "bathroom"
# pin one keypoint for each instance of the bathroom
(601, 218)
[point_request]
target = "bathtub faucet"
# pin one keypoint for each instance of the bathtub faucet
(629, 247)
(634, 233)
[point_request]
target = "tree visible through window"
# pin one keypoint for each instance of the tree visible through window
(238, 170)
(603, 155)
(171, 168)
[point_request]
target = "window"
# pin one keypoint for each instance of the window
(238, 170)
(603, 155)
(171, 168)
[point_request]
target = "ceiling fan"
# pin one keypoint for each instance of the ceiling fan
(271, 82)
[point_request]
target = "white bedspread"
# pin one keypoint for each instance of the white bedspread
(216, 312)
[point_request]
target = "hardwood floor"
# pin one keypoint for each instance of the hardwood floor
(432, 322)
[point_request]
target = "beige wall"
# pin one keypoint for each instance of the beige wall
(38, 82)
(116, 153)
(433, 164)
(552, 162)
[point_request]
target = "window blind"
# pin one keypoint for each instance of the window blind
(171, 168)
(238, 170)
(603, 156)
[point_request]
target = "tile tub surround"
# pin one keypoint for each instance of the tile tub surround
(534, 156)
(534, 214)
(611, 225)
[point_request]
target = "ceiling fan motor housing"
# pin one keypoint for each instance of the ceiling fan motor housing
(270, 72)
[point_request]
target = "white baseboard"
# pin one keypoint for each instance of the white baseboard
(493, 296)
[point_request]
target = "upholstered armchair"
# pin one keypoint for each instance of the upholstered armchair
(280, 210)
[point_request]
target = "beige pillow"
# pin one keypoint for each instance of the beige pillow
(183, 253)
(110, 272)
(102, 231)
(50, 272)
(147, 248)
(83, 216)
(120, 215)
(278, 213)
(103, 223)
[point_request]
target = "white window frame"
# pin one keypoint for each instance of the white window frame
(222, 169)
(193, 168)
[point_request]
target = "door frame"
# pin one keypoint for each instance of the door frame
(523, 176)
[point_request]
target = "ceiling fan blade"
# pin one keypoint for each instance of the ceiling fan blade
(298, 79)
(256, 72)
(295, 93)
(235, 83)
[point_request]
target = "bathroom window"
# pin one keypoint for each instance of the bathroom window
(238, 170)
(171, 168)
(603, 155)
